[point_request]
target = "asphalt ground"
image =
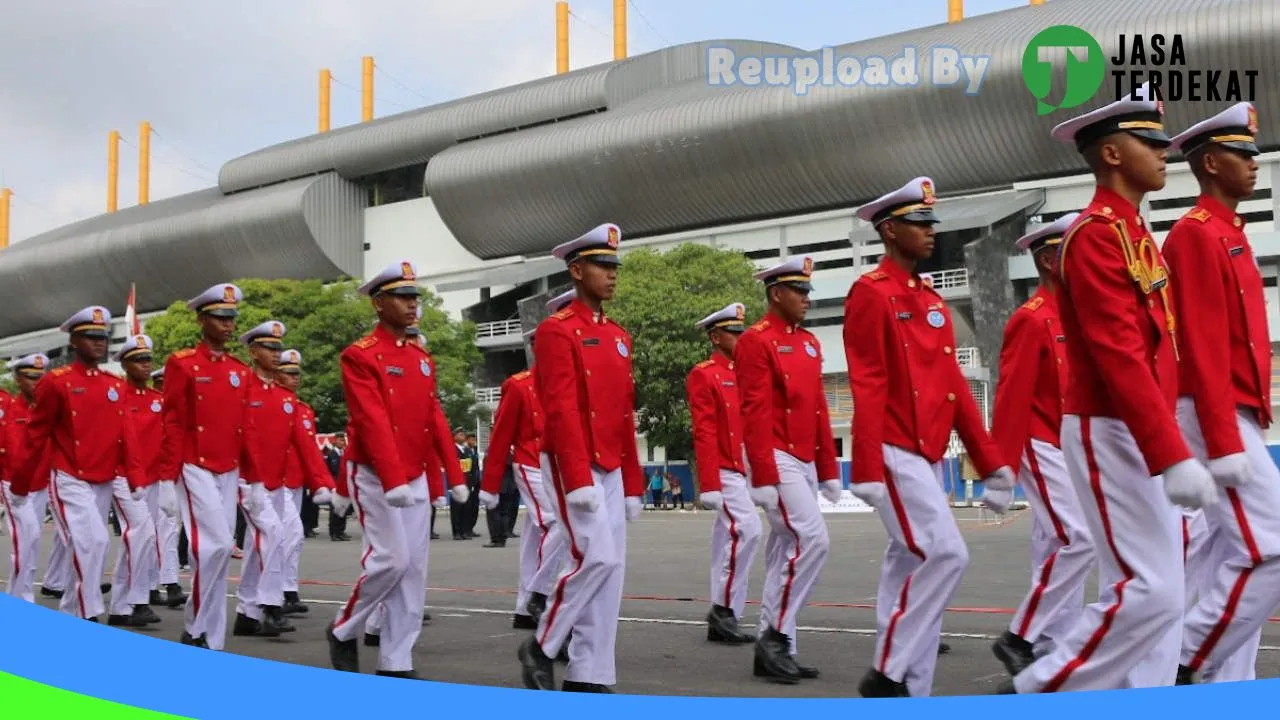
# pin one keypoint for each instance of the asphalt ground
(662, 647)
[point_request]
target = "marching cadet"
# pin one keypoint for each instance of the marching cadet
(711, 389)
(583, 380)
(78, 418)
(1118, 425)
(273, 428)
(1224, 403)
(205, 400)
(395, 416)
(910, 392)
(24, 521)
(1025, 425)
(137, 557)
(168, 527)
(301, 472)
(516, 437)
(790, 459)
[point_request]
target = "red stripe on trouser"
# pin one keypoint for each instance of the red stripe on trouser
(1186, 538)
(537, 511)
(1045, 571)
(1043, 487)
(563, 503)
(355, 591)
(13, 532)
(70, 544)
(900, 512)
(1095, 482)
(733, 554)
(791, 566)
(1237, 590)
(124, 538)
(195, 554)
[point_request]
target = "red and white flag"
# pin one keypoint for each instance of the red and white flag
(131, 314)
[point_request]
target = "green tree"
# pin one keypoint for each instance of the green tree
(321, 321)
(659, 298)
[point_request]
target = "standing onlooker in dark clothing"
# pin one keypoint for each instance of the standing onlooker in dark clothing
(333, 458)
(461, 516)
(473, 484)
(498, 518)
(510, 498)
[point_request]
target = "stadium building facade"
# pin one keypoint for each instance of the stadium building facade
(478, 190)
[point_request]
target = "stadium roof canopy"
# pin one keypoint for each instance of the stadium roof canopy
(647, 142)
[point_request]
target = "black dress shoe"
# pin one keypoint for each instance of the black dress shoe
(343, 654)
(943, 648)
(105, 588)
(496, 544)
(435, 536)
(126, 621)
(722, 627)
(372, 640)
(583, 687)
(49, 592)
(535, 606)
(876, 684)
(523, 622)
(273, 619)
(402, 674)
(293, 605)
(147, 615)
(1186, 676)
(512, 535)
(1013, 652)
(426, 618)
(246, 626)
(175, 596)
(155, 598)
(808, 673)
(199, 642)
(536, 669)
(773, 658)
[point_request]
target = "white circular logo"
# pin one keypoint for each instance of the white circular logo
(306, 424)
(426, 368)
(235, 380)
(288, 408)
(622, 349)
(155, 406)
(810, 350)
(112, 395)
(936, 318)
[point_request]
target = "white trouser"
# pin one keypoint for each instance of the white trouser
(1063, 557)
(1244, 588)
(57, 570)
(735, 540)
(24, 536)
(262, 570)
(543, 548)
(797, 548)
(293, 537)
(1204, 552)
(136, 559)
(208, 504)
(165, 571)
(587, 596)
(81, 511)
(394, 578)
(923, 565)
(1122, 640)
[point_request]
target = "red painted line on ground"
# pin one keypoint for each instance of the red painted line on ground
(667, 598)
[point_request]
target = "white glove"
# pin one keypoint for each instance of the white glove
(322, 496)
(765, 496)
(633, 508)
(250, 497)
(137, 494)
(168, 499)
(831, 490)
(996, 499)
(339, 505)
(400, 496)
(488, 500)
(1189, 484)
(712, 500)
(441, 502)
(18, 501)
(586, 499)
(1230, 470)
(1001, 479)
(460, 493)
(871, 493)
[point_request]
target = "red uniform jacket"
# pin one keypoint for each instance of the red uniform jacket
(1033, 378)
(390, 388)
(584, 382)
(17, 418)
(1222, 323)
(517, 430)
(6, 445)
(79, 418)
(908, 390)
(204, 407)
(784, 406)
(712, 392)
(304, 465)
(1118, 317)
(146, 406)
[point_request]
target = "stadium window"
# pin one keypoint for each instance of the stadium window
(395, 185)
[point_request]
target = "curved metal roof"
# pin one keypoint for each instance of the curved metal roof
(414, 136)
(177, 247)
(694, 155)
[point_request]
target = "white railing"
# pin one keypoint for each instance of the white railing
(950, 279)
(500, 328)
(488, 395)
(967, 357)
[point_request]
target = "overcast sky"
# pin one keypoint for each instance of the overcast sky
(221, 79)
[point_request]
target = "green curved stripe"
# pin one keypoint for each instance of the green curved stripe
(24, 699)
